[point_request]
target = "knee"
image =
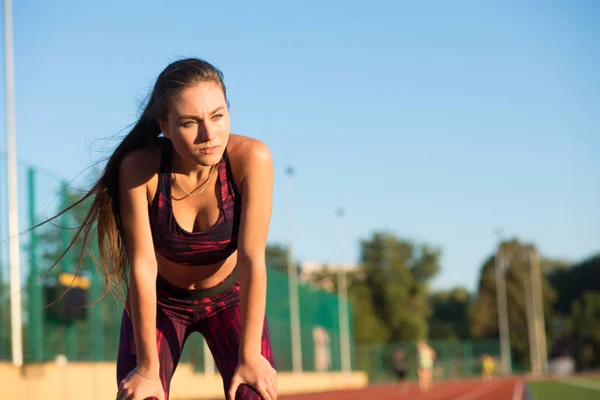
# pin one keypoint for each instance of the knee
(246, 392)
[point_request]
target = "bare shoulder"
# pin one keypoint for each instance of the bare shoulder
(247, 153)
(140, 166)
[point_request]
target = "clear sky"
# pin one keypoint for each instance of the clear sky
(438, 121)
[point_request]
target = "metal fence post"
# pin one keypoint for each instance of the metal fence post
(36, 306)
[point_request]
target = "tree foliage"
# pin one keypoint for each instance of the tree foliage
(586, 329)
(578, 310)
(570, 283)
(277, 257)
(449, 319)
(389, 292)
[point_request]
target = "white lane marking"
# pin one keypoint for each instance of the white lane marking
(518, 392)
(478, 392)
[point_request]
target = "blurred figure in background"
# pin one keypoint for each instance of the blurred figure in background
(426, 356)
(322, 343)
(488, 367)
(400, 368)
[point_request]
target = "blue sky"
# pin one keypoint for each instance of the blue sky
(438, 121)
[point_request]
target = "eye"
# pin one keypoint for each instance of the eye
(187, 124)
(217, 117)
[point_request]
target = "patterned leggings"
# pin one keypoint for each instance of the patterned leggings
(214, 312)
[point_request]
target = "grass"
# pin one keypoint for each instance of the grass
(573, 389)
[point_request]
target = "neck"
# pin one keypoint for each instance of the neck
(192, 171)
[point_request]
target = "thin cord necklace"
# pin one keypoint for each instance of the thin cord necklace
(203, 185)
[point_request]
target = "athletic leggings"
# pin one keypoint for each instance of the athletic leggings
(214, 312)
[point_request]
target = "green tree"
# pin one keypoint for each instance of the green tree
(586, 329)
(449, 319)
(368, 326)
(390, 289)
(483, 313)
(570, 283)
(276, 257)
(578, 287)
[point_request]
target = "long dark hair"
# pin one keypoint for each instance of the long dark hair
(104, 217)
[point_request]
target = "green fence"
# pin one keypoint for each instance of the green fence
(96, 337)
(454, 359)
(318, 314)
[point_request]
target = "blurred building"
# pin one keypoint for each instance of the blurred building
(323, 275)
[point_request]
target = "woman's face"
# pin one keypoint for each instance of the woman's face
(197, 123)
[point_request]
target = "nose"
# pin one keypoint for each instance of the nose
(206, 132)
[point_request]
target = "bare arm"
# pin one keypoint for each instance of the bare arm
(257, 189)
(143, 266)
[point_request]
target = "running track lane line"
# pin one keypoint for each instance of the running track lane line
(501, 390)
(442, 391)
(518, 392)
(458, 390)
(480, 391)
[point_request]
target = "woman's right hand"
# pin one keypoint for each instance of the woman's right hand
(136, 387)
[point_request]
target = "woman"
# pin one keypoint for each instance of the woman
(183, 220)
(426, 358)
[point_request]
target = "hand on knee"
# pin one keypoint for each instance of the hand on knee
(257, 373)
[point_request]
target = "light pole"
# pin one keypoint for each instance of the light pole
(535, 309)
(344, 318)
(293, 281)
(13, 213)
(530, 314)
(540, 320)
(500, 268)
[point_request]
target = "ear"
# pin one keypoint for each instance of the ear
(164, 127)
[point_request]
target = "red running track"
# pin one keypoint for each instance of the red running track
(498, 389)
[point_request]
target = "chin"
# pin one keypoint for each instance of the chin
(208, 160)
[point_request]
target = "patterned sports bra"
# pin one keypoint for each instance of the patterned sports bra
(194, 248)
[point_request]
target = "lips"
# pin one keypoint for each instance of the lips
(209, 150)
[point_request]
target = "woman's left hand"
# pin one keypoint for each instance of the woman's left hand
(258, 373)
